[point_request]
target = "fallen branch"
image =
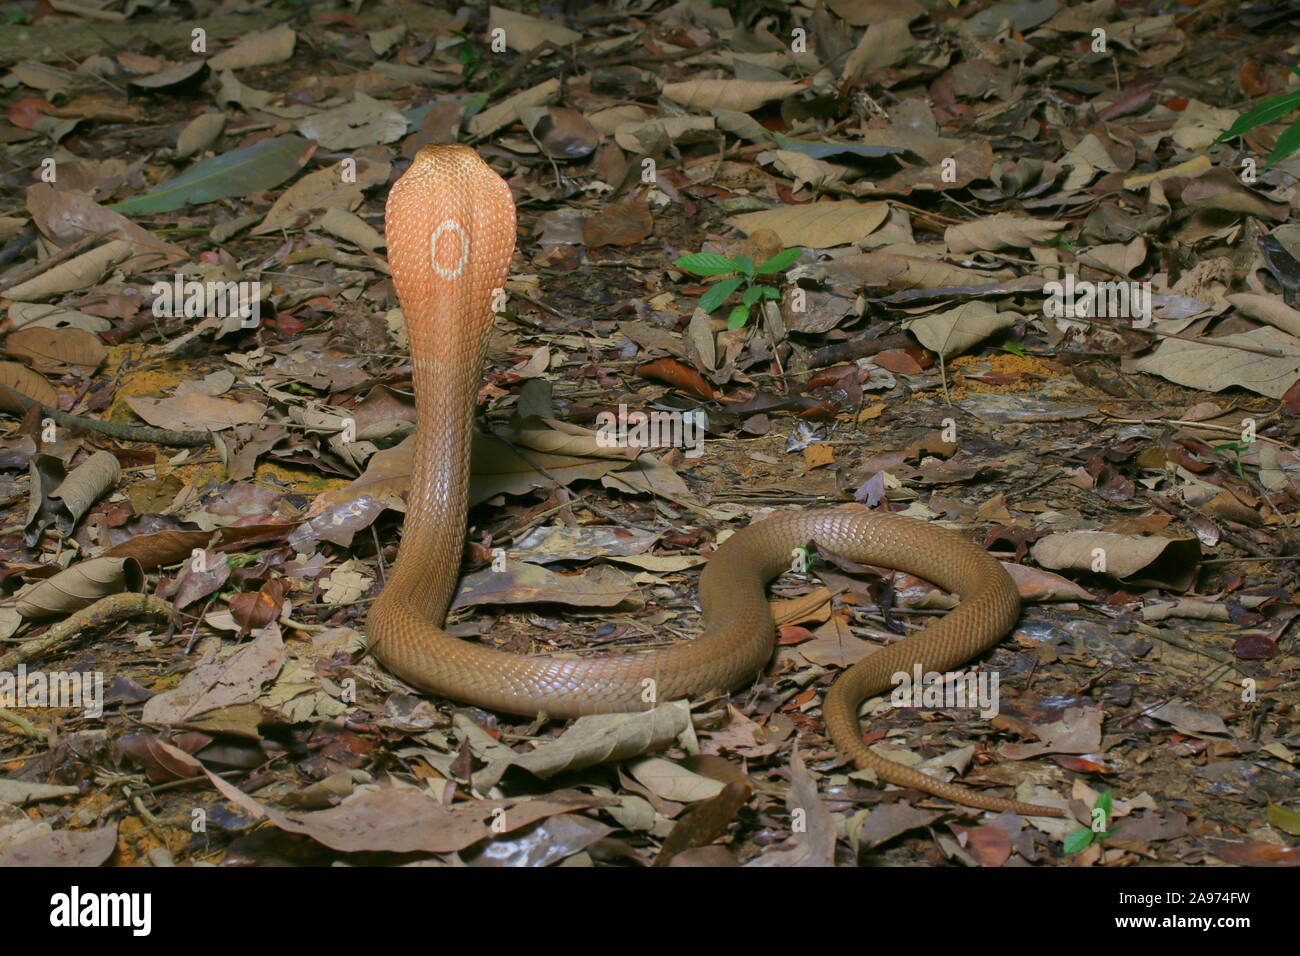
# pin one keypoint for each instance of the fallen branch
(141, 433)
(115, 607)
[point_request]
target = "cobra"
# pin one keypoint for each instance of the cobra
(450, 224)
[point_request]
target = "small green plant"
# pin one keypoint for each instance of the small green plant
(1236, 447)
(739, 270)
(1100, 830)
(470, 59)
(1271, 109)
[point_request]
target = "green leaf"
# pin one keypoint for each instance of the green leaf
(1077, 840)
(1105, 802)
(719, 293)
(1283, 819)
(706, 264)
(745, 264)
(263, 165)
(739, 316)
(1286, 144)
(770, 293)
(779, 262)
(474, 105)
(1015, 348)
(1273, 108)
(752, 295)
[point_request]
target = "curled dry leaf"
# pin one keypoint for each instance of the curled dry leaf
(607, 738)
(80, 586)
(252, 611)
(564, 133)
(1001, 232)
(85, 484)
(678, 375)
(814, 844)
(405, 820)
(160, 548)
(75, 274)
(1146, 561)
(363, 122)
(319, 192)
(705, 822)
(176, 78)
(741, 96)
(669, 780)
(259, 49)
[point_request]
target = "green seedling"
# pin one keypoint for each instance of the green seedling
(739, 271)
(1270, 110)
(1100, 829)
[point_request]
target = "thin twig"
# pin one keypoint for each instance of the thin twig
(49, 262)
(115, 607)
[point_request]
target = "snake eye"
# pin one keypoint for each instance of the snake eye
(455, 249)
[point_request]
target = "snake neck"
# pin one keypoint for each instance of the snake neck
(433, 538)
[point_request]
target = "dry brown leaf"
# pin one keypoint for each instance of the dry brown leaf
(214, 684)
(405, 820)
(85, 483)
(199, 133)
(883, 45)
(195, 411)
(523, 32)
(78, 273)
(319, 192)
(65, 217)
(1268, 308)
(739, 95)
(817, 225)
(1143, 560)
(622, 224)
(1213, 368)
(523, 583)
(55, 351)
(258, 49)
(79, 848)
(25, 382)
(607, 738)
(1001, 232)
(80, 586)
(953, 331)
(363, 122)
(506, 112)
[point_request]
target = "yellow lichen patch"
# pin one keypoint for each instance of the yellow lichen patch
(305, 481)
(141, 376)
(1006, 371)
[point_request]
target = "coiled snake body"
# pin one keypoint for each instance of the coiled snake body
(450, 224)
